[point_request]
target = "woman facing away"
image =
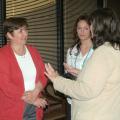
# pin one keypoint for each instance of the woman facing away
(21, 75)
(79, 53)
(96, 92)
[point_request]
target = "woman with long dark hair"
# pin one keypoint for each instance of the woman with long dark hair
(81, 50)
(79, 53)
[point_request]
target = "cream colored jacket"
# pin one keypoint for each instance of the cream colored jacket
(96, 92)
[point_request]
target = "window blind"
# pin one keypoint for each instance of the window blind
(72, 10)
(41, 16)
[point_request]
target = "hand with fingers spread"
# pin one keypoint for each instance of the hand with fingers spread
(50, 72)
(71, 70)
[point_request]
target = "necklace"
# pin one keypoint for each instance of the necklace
(20, 53)
(22, 56)
(85, 59)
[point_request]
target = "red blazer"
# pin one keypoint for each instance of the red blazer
(12, 84)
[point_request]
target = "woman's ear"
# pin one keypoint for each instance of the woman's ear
(9, 35)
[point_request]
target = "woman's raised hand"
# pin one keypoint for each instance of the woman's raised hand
(50, 72)
(71, 70)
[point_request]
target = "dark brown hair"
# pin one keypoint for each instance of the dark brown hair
(106, 27)
(14, 23)
(76, 39)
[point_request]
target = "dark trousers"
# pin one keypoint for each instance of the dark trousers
(30, 112)
(68, 111)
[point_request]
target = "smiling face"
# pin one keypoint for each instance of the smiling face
(83, 30)
(15, 29)
(19, 36)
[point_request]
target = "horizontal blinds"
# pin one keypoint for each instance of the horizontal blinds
(41, 16)
(73, 9)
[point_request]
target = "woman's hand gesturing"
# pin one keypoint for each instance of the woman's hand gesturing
(50, 72)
